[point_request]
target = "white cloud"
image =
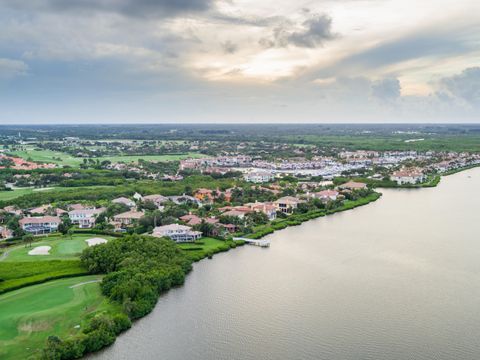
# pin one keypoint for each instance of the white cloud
(11, 68)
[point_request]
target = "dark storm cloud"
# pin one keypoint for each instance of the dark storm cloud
(128, 8)
(386, 89)
(314, 32)
(465, 86)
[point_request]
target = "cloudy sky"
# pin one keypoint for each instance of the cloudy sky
(79, 61)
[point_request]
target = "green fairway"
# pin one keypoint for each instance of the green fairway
(205, 247)
(9, 195)
(60, 158)
(15, 275)
(60, 307)
(48, 156)
(62, 248)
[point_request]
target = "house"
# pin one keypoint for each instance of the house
(235, 213)
(157, 199)
(176, 232)
(268, 209)
(5, 233)
(408, 176)
(352, 185)
(204, 195)
(183, 199)
(191, 219)
(287, 204)
(85, 218)
(12, 210)
(326, 195)
(40, 225)
(124, 201)
(128, 218)
(259, 177)
(41, 209)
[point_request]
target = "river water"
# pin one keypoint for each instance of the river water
(396, 279)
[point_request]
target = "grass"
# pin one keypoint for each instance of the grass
(29, 315)
(62, 248)
(48, 156)
(61, 158)
(206, 247)
(15, 275)
(11, 195)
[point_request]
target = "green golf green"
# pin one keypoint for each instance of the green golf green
(62, 248)
(60, 307)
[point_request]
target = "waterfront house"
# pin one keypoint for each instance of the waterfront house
(268, 209)
(85, 218)
(176, 232)
(408, 176)
(326, 195)
(287, 204)
(353, 185)
(40, 225)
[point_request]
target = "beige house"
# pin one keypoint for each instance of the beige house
(287, 204)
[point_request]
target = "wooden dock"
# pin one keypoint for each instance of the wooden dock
(256, 242)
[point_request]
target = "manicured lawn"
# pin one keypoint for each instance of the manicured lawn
(62, 248)
(15, 275)
(60, 158)
(9, 195)
(48, 156)
(29, 315)
(205, 247)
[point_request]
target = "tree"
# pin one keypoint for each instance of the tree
(70, 232)
(27, 239)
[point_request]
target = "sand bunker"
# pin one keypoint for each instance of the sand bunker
(40, 250)
(95, 241)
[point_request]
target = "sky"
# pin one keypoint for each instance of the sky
(248, 61)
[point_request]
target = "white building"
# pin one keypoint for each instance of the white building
(178, 233)
(259, 176)
(85, 218)
(40, 225)
(408, 176)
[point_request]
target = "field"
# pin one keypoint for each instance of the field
(15, 275)
(62, 248)
(48, 156)
(205, 247)
(391, 142)
(10, 195)
(60, 307)
(60, 158)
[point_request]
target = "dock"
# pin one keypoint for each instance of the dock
(256, 242)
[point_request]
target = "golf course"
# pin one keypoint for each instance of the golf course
(62, 248)
(64, 159)
(29, 315)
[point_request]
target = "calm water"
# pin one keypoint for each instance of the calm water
(397, 279)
